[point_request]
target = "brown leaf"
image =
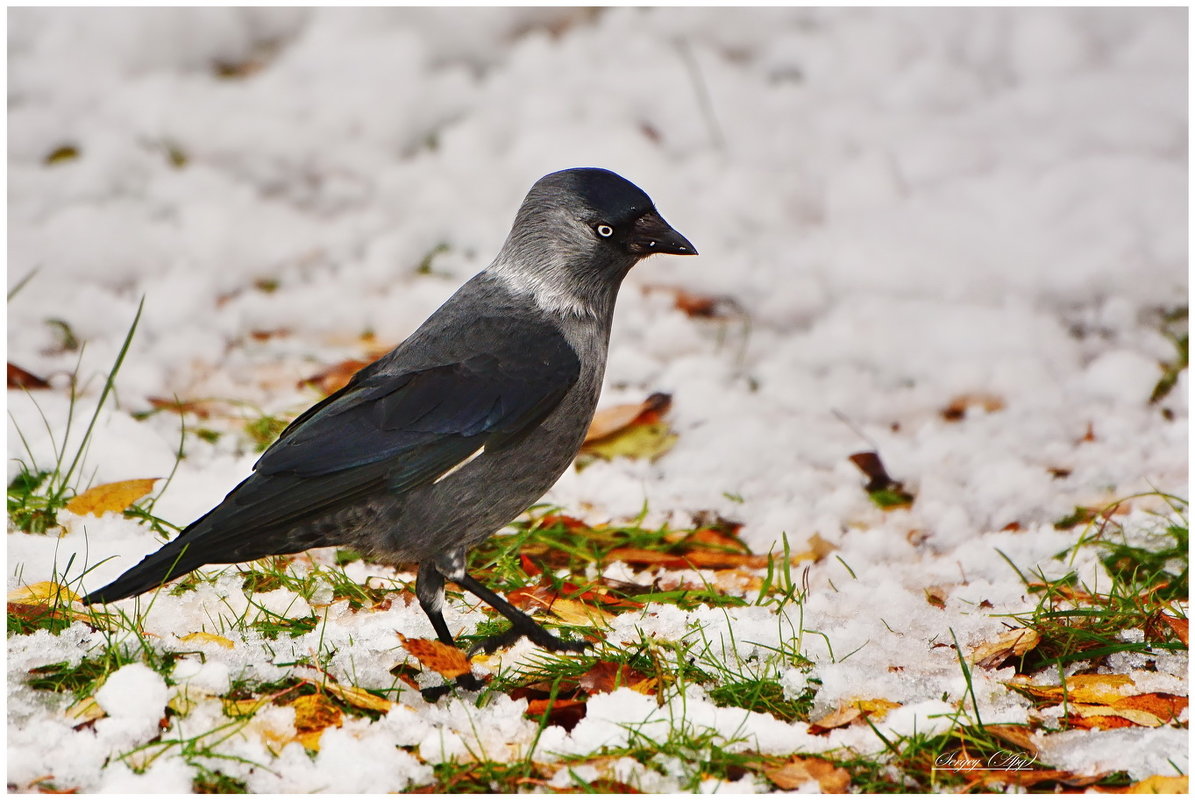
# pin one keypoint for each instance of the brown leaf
(563, 712)
(1178, 625)
(935, 596)
(335, 377)
(799, 770)
(885, 491)
(1019, 736)
(957, 408)
(446, 660)
(1009, 645)
(114, 497)
(19, 378)
(199, 408)
(605, 677)
(850, 711)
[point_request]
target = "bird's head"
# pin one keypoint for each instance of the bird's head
(577, 235)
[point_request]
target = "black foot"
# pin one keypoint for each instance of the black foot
(537, 635)
(465, 681)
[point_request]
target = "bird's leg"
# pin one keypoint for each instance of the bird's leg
(429, 589)
(521, 624)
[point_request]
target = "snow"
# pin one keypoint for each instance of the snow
(906, 206)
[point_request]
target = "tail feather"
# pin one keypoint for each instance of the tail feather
(153, 571)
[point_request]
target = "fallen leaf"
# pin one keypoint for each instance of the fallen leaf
(1176, 785)
(850, 711)
(43, 592)
(614, 419)
(1178, 625)
(800, 770)
(447, 660)
(199, 408)
(605, 677)
(114, 497)
(359, 698)
(85, 710)
(885, 492)
(19, 378)
(1015, 735)
(1082, 688)
(203, 636)
(1091, 716)
(571, 611)
(957, 408)
(335, 377)
(935, 596)
(241, 707)
(563, 712)
(313, 714)
(1164, 706)
(1010, 644)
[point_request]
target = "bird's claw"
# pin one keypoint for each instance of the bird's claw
(540, 637)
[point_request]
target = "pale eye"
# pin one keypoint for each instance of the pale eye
(604, 230)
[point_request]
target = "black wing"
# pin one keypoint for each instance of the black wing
(420, 423)
(389, 431)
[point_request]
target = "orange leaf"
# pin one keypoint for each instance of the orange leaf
(1178, 625)
(446, 660)
(1164, 706)
(799, 770)
(114, 497)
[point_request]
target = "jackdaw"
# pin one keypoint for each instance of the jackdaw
(438, 444)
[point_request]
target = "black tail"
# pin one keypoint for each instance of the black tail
(153, 571)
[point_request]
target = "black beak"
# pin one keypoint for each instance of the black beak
(650, 234)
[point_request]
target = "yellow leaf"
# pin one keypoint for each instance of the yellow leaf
(355, 696)
(85, 710)
(646, 441)
(115, 497)
(577, 613)
(244, 706)
(43, 592)
(313, 714)
(203, 636)
(1083, 688)
(182, 703)
(1160, 784)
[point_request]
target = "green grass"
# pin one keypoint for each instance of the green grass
(40, 491)
(1147, 576)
